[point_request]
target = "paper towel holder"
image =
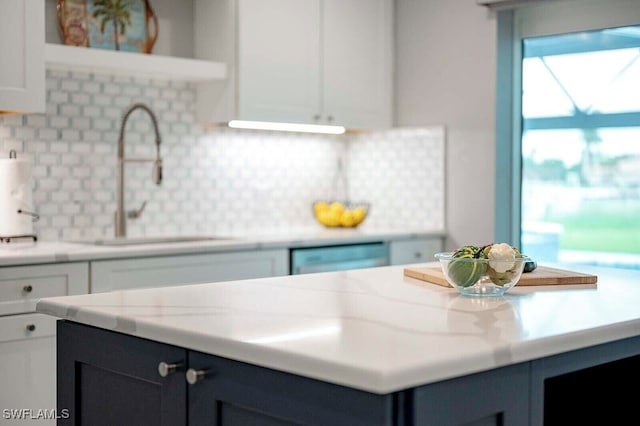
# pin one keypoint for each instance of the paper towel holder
(34, 217)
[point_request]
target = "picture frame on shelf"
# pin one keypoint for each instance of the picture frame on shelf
(122, 25)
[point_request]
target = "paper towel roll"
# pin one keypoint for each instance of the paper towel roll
(15, 194)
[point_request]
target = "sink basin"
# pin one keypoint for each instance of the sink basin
(148, 240)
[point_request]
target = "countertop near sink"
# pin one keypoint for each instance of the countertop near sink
(52, 252)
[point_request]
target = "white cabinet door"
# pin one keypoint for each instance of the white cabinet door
(357, 62)
(28, 369)
(107, 275)
(278, 60)
(414, 251)
(27, 339)
(301, 61)
(22, 56)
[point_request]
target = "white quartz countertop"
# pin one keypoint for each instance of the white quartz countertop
(370, 329)
(50, 252)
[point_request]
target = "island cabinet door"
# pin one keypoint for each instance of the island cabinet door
(227, 392)
(498, 397)
(108, 378)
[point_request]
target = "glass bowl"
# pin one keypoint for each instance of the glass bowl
(481, 277)
(340, 214)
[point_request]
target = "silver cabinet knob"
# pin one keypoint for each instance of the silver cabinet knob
(31, 327)
(194, 376)
(316, 117)
(417, 255)
(330, 118)
(27, 288)
(165, 368)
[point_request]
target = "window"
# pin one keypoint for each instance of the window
(580, 193)
(568, 124)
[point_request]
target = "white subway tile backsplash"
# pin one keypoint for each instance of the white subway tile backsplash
(59, 122)
(81, 123)
(216, 180)
(111, 89)
(69, 85)
(58, 96)
(60, 146)
(81, 98)
(91, 87)
(102, 99)
(70, 110)
(36, 121)
(132, 91)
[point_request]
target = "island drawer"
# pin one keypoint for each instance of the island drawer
(22, 286)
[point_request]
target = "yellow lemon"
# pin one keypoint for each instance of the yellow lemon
(347, 219)
(328, 218)
(359, 213)
(320, 206)
(337, 207)
(333, 218)
(324, 218)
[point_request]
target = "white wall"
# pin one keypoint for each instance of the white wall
(445, 69)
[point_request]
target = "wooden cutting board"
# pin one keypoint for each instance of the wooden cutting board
(542, 275)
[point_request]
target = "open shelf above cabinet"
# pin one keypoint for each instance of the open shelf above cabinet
(58, 56)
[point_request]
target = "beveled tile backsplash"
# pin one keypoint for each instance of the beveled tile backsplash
(216, 180)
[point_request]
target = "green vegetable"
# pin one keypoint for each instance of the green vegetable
(466, 272)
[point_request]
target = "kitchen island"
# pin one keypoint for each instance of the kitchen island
(366, 346)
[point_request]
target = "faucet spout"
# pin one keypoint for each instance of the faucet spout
(120, 216)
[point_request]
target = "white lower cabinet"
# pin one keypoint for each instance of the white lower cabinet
(421, 250)
(28, 369)
(108, 275)
(27, 339)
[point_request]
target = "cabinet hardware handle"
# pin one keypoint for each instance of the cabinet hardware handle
(194, 376)
(417, 255)
(165, 368)
(329, 118)
(27, 288)
(31, 327)
(316, 117)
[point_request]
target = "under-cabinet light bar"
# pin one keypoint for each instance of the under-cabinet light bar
(287, 127)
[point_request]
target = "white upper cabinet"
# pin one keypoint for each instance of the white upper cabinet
(299, 61)
(279, 60)
(357, 62)
(22, 56)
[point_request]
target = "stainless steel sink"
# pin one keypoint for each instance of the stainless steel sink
(148, 240)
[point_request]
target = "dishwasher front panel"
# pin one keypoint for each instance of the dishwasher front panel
(339, 258)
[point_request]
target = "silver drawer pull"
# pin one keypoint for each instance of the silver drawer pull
(27, 288)
(165, 368)
(31, 327)
(194, 376)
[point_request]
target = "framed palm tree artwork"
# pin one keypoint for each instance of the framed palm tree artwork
(125, 25)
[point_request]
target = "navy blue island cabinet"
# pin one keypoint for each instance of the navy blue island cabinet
(113, 378)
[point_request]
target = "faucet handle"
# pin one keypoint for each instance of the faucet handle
(135, 214)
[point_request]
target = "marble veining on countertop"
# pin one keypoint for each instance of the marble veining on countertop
(371, 329)
(64, 251)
